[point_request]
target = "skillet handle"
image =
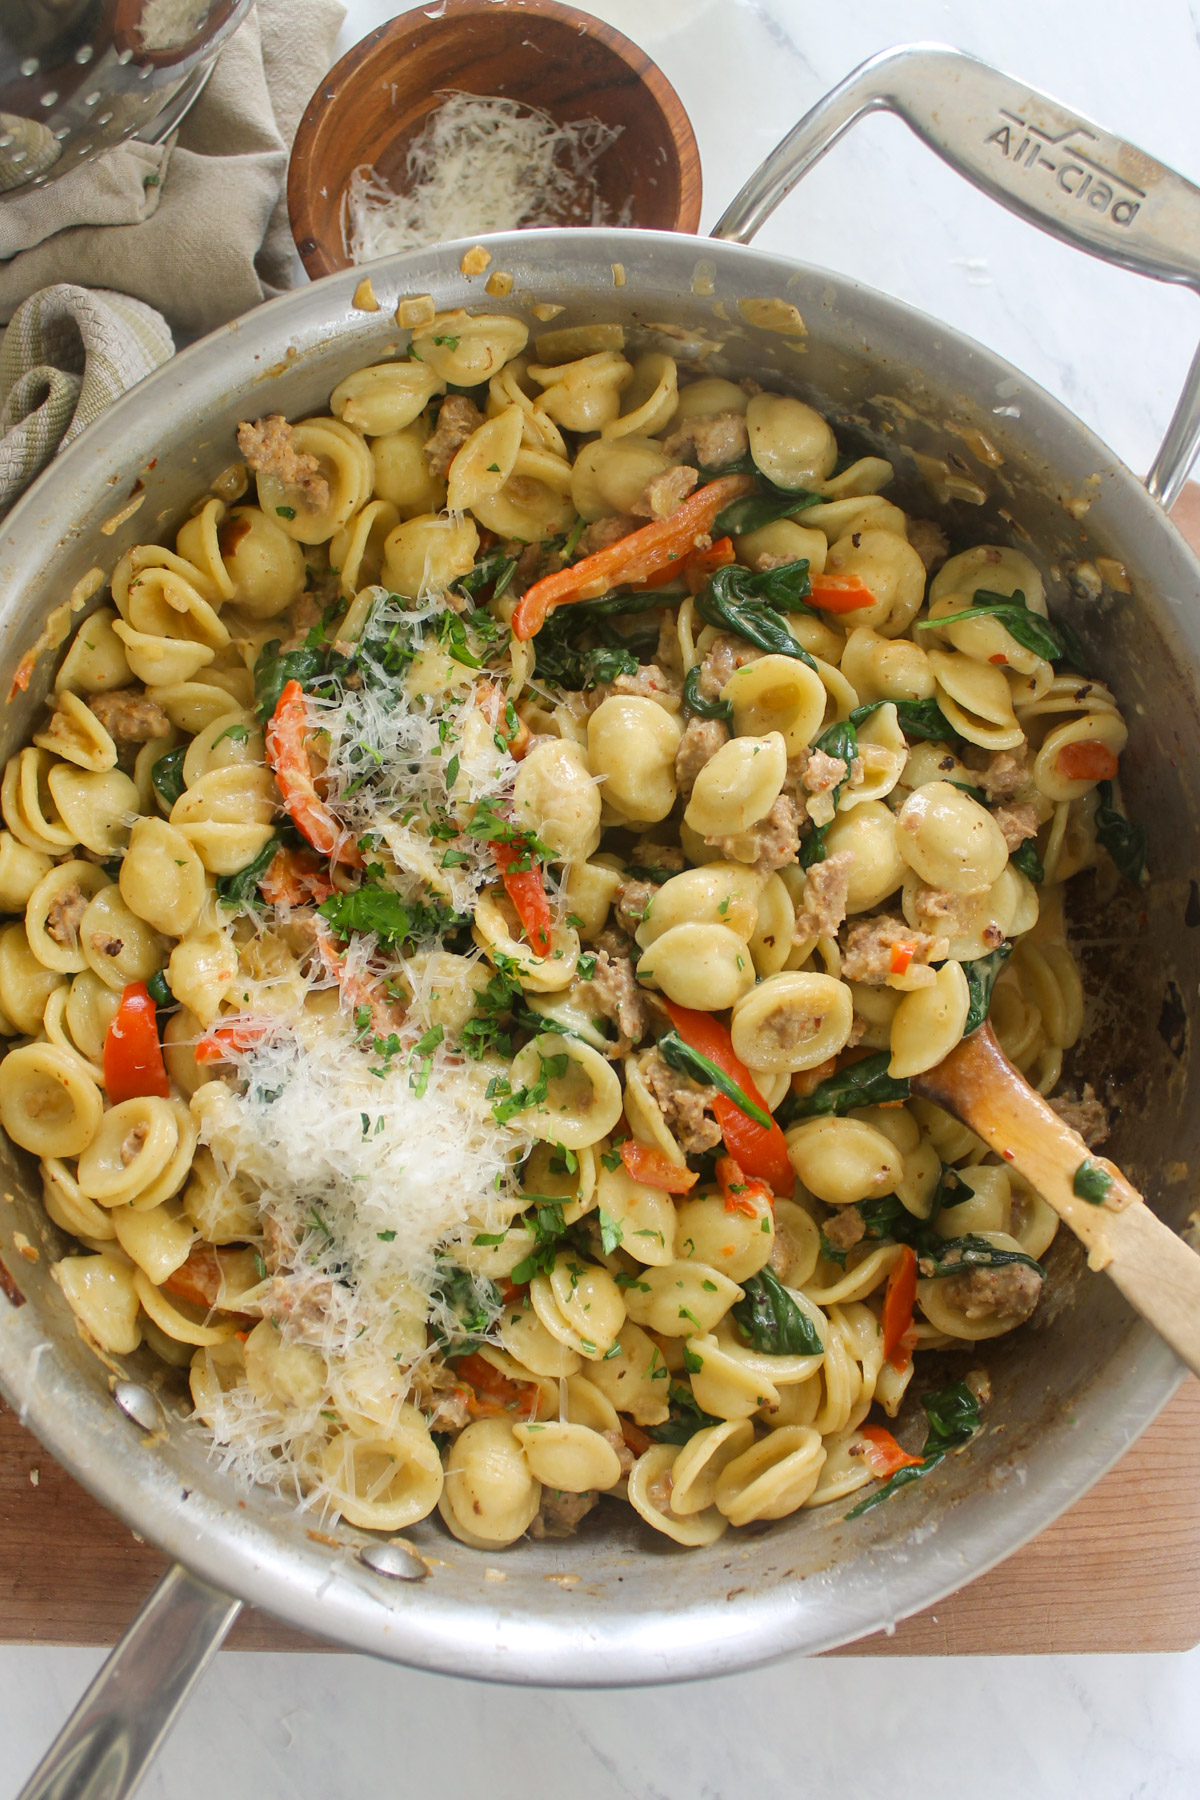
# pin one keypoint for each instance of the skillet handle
(111, 1738)
(1036, 157)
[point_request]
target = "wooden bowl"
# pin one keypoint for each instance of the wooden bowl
(373, 103)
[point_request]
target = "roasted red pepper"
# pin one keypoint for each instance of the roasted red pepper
(287, 753)
(654, 1168)
(898, 1302)
(758, 1151)
(133, 1058)
(527, 891)
(882, 1453)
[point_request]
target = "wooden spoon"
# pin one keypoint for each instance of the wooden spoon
(1156, 1271)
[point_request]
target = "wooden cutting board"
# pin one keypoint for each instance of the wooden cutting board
(1119, 1572)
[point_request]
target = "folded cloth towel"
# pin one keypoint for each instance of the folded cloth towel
(67, 355)
(197, 227)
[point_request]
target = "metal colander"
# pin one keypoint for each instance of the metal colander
(79, 76)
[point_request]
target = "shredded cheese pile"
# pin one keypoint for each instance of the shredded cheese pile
(480, 164)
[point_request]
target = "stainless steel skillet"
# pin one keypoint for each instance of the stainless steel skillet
(1070, 1391)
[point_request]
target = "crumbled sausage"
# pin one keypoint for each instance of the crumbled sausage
(647, 853)
(64, 915)
(132, 1142)
(1017, 822)
(1010, 1292)
(269, 449)
(665, 493)
(771, 844)
(717, 439)
(458, 418)
(822, 772)
(104, 944)
(1007, 770)
(845, 1228)
(701, 740)
(615, 942)
(867, 955)
(1087, 1115)
(684, 1105)
(304, 614)
(953, 913)
(625, 1455)
(614, 993)
(930, 543)
(602, 533)
(130, 716)
(632, 902)
(826, 888)
(650, 683)
(560, 1514)
(725, 654)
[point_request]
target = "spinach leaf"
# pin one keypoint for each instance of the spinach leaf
(750, 512)
(840, 740)
(687, 1418)
(681, 1057)
(695, 703)
(472, 1301)
(167, 774)
(731, 601)
(918, 719)
(275, 668)
(493, 566)
(864, 1083)
(1125, 843)
(769, 1319)
(394, 921)
(241, 888)
(953, 1415)
(970, 1252)
(1029, 629)
(981, 979)
(1091, 1182)
(1026, 858)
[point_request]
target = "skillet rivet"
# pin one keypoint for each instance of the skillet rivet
(138, 1404)
(397, 1560)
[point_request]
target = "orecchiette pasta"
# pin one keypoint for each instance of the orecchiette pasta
(447, 903)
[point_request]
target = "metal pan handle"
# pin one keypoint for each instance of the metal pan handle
(1036, 157)
(109, 1741)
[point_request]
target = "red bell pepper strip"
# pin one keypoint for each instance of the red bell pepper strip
(740, 1190)
(224, 1041)
(898, 1302)
(654, 1168)
(493, 1395)
(882, 1453)
(902, 955)
(634, 558)
(294, 877)
(132, 1056)
(758, 1151)
(200, 1278)
(527, 891)
(1089, 761)
(839, 593)
(695, 566)
(287, 753)
(639, 1441)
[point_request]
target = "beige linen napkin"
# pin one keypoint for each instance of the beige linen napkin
(68, 353)
(196, 227)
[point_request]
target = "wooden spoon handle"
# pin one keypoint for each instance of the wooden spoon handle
(1155, 1270)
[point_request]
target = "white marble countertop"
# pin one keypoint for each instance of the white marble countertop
(883, 209)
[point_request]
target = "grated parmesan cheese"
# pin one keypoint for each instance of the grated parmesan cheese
(480, 164)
